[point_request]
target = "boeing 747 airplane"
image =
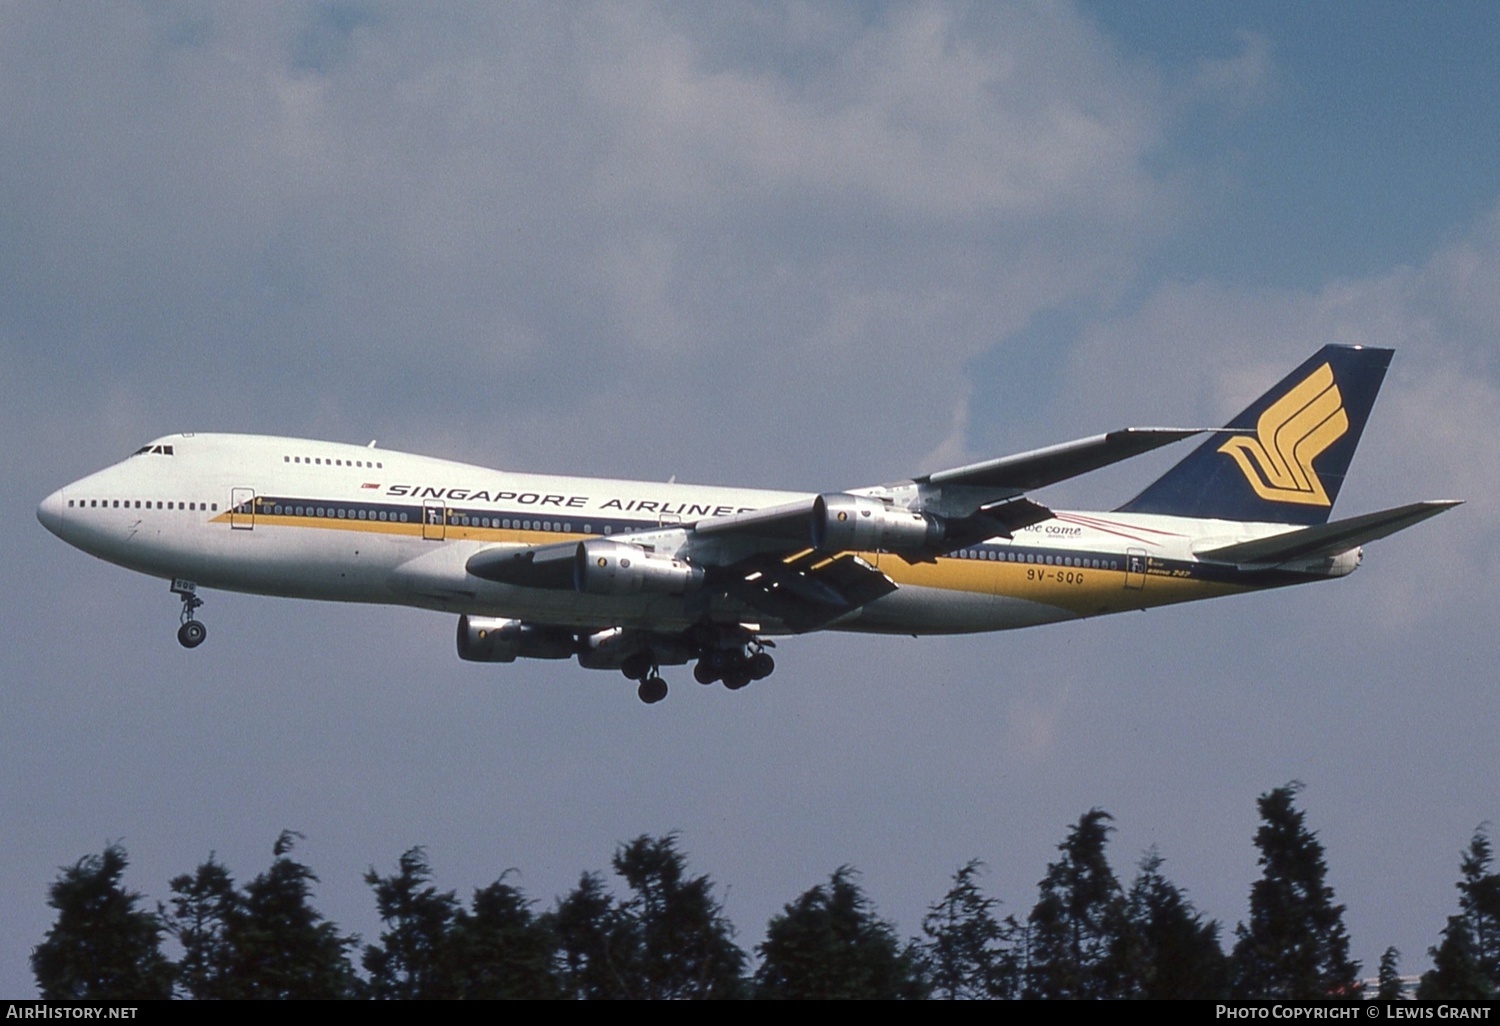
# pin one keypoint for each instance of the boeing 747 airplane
(635, 575)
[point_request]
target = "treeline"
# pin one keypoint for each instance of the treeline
(666, 935)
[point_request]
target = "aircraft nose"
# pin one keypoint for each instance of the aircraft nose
(50, 512)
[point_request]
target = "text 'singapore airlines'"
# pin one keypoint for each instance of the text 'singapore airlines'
(635, 575)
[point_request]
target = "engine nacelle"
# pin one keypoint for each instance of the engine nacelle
(614, 568)
(842, 522)
(485, 639)
(608, 649)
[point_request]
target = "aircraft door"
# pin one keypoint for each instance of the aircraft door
(434, 520)
(242, 509)
(1135, 568)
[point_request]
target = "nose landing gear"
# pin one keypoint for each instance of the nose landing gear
(192, 632)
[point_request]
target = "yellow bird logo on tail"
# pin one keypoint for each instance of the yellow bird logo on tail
(1290, 434)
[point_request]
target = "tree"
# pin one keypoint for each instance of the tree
(416, 957)
(1388, 985)
(1479, 898)
(504, 951)
(1294, 946)
(969, 954)
(669, 939)
(685, 943)
(1456, 973)
(829, 943)
(1076, 924)
(1466, 963)
(596, 947)
(205, 916)
(102, 947)
(283, 948)
(1167, 949)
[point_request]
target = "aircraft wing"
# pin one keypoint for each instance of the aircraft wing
(976, 490)
(796, 561)
(1328, 539)
(1028, 470)
(807, 590)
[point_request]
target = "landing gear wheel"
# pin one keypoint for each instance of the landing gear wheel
(703, 673)
(636, 667)
(761, 665)
(191, 634)
(652, 690)
(736, 679)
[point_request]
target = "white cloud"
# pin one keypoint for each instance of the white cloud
(1197, 353)
(549, 220)
(1241, 81)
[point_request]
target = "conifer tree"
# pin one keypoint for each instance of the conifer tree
(205, 917)
(1466, 963)
(102, 946)
(416, 957)
(1456, 973)
(1077, 923)
(686, 943)
(597, 949)
(830, 944)
(283, 948)
(969, 954)
(504, 950)
(1294, 946)
(1167, 949)
(1388, 985)
(1479, 898)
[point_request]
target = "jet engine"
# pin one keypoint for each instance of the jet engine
(613, 568)
(612, 649)
(484, 639)
(842, 522)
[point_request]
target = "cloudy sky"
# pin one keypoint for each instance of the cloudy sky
(790, 245)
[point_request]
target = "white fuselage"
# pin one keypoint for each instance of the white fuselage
(322, 520)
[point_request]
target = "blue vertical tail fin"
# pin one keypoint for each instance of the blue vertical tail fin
(1284, 458)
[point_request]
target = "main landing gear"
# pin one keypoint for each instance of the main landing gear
(192, 632)
(736, 666)
(652, 688)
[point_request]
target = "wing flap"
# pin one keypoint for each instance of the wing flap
(1328, 539)
(808, 590)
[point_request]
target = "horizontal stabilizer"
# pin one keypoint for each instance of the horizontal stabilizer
(1028, 470)
(1326, 539)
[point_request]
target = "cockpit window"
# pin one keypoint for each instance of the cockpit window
(158, 450)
